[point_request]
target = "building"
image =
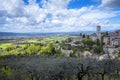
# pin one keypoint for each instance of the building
(96, 35)
(115, 38)
(115, 42)
(106, 40)
(99, 32)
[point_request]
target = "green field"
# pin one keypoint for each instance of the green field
(21, 46)
(5, 45)
(31, 40)
(55, 38)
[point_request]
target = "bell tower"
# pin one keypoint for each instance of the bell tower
(99, 32)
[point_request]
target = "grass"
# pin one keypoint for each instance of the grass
(55, 38)
(31, 40)
(5, 45)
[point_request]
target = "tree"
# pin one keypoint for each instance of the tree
(86, 49)
(69, 39)
(83, 36)
(101, 44)
(32, 49)
(88, 42)
(108, 42)
(106, 33)
(58, 68)
(96, 49)
(97, 42)
(48, 50)
(10, 47)
(119, 52)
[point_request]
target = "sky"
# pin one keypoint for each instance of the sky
(58, 15)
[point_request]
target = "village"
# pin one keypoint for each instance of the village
(110, 47)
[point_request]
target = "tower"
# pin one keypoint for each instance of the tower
(99, 32)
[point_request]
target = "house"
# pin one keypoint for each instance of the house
(94, 36)
(115, 38)
(106, 39)
(115, 41)
(109, 49)
(66, 52)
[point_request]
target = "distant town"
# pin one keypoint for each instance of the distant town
(108, 41)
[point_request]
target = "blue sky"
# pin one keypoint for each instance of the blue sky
(81, 3)
(59, 15)
(74, 4)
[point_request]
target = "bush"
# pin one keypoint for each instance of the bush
(10, 47)
(66, 46)
(86, 49)
(96, 49)
(32, 49)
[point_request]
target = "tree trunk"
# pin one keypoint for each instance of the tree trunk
(102, 76)
(78, 76)
(89, 77)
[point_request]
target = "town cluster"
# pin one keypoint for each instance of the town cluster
(110, 47)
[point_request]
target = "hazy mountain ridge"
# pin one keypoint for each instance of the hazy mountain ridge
(44, 34)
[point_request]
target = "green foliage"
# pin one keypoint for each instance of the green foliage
(87, 41)
(48, 50)
(101, 44)
(24, 47)
(57, 68)
(77, 42)
(44, 51)
(32, 49)
(74, 50)
(108, 42)
(5, 45)
(119, 52)
(96, 49)
(97, 42)
(10, 47)
(57, 42)
(69, 39)
(7, 71)
(86, 49)
(66, 46)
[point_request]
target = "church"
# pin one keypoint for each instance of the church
(96, 35)
(112, 38)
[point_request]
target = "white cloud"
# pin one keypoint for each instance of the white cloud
(53, 4)
(13, 7)
(98, 14)
(52, 17)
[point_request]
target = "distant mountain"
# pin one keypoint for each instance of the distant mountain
(43, 34)
(12, 34)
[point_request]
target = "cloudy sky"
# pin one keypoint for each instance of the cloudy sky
(58, 15)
